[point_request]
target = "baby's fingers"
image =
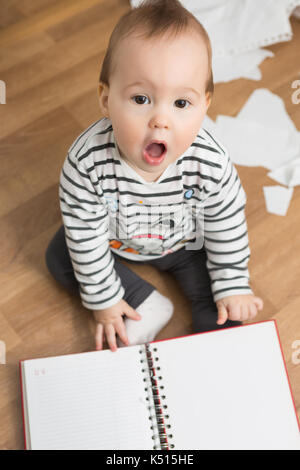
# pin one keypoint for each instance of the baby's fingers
(99, 336)
(121, 330)
(258, 302)
(253, 311)
(111, 336)
(131, 313)
(244, 312)
(222, 314)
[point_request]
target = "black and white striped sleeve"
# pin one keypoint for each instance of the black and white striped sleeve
(86, 225)
(226, 236)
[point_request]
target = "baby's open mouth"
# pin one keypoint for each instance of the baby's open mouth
(154, 153)
(155, 150)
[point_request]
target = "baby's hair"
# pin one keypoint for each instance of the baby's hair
(153, 18)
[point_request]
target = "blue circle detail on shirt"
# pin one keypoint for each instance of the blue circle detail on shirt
(188, 194)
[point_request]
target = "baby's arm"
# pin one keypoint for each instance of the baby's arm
(227, 248)
(86, 224)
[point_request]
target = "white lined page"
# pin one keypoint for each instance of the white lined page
(91, 400)
(228, 389)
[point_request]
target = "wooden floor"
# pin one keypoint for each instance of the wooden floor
(50, 57)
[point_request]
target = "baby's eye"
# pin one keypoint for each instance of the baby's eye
(182, 101)
(139, 97)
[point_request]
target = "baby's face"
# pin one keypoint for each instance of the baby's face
(150, 98)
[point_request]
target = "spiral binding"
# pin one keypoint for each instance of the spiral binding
(159, 416)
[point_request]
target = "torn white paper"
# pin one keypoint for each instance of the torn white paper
(277, 199)
(262, 134)
(296, 12)
(244, 65)
(288, 174)
(253, 144)
(267, 109)
(238, 29)
(236, 26)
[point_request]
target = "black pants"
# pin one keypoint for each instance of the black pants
(187, 266)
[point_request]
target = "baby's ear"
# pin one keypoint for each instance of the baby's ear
(103, 90)
(208, 99)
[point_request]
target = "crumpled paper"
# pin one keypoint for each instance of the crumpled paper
(238, 29)
(263, 134)
(277, 199)
(288, 174)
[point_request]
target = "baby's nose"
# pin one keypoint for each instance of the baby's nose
(159, 122)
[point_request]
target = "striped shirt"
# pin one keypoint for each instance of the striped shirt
(107, 207)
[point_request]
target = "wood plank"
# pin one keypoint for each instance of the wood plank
(33, 157)
(51, 94)
(10, 14)
(29, 7)
(85, 109)
(43, 19)
(14, 54)
(99, 13)
(73, 51)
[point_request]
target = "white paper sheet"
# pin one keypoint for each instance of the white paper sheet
(238, 29)
(288, 174)
(277, 199)
(92, 400)
(271, 137)
(263, 134)
(253, 144)
(268, 109)
(228, 390)
(236, 26)
(244, 65)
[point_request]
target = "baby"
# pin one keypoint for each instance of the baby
(148, 184)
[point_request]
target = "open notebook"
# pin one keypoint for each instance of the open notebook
(226, 389)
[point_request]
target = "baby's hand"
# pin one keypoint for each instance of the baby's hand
(109, 321)
(238, 308)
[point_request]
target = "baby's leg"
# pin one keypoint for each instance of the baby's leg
(190, 270)
(155, 311)
(59, 263)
